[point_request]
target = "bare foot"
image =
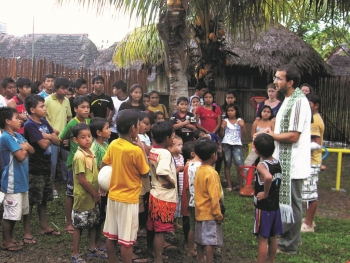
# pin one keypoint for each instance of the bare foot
(69, 229)
(192, 254)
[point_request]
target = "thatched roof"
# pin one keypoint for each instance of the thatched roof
(276, 46)
(340, 61)
(73, 51)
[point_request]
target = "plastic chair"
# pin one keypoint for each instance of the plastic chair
(254, 101)
(247, 189)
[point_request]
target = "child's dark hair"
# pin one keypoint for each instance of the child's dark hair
(307, 85)
(153, 92)
(80, 100)
(181, 99)
(205, 148)
(264, 144)
(237, 109)
(145, 95)
(187, 148)
(161, 131)
(142, 115)
(156, 115)
(79, 127)
(266, 107)
(224, 106)
(21, 82)
(6, 81)
(71, 90)
(314, 98)
(34, 89)
(126, 119)
(61, 82)
(79, 82)
(96, 78)
(201, 85)
(48, 76)
(97, 124)
(6, 113)
(119, 84)
(212, 94)
(32, 101)
(197, 132)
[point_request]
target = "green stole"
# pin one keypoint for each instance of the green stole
(285, 159)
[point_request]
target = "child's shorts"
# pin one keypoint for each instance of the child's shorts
(192, 218)
(40, 189)
(232, 152)
(122, 222)
(309, 189)
(86, 219)
(208, 233)
(15, 205)
(70, 183)
(178, 207)
(268, 223)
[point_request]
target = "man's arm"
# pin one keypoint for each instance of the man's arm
(287, 137)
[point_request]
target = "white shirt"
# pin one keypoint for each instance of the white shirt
(116, 103)
(2, 101)
(300, 121)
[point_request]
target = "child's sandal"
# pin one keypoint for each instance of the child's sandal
(77, 259)
(94, 253)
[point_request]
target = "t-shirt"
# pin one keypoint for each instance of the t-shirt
(146, 182)
(2, 101)
(67, 134)
(185, 198)
(99, 104)
(21, 110)
(317, 129)
(40, 161)
(100, 151)
(300, 120)
(179, 161)
(208, 194)
(162, 163)
(161, 108)
(116, 102)
(192, 169)
(208, 118)
(84, 163)
(126, 105)
(186, 134)
(14, 178)
(128, 164)
(233, 133)
(57, 113)
(43, 94)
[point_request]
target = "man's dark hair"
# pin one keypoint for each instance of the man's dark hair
(6, 81)
(201, 85)
(292, 73)
(32, 101)
(161, 130)
(126, 119)
(21, 82)
(61, 82)
(80, 100)
(97, 124)
(96, 78)
(314, 98)
(35, 87)
(204, 148)
(6, 113)
(48, 76)
(78, 128)
(187, 148)
(119, 84)
(181, 99)
(78, 83)
(264, 144)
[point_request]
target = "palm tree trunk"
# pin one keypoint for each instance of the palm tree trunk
(172, 30)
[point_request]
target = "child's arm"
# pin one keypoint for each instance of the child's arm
(218, 124)
(169, 183)
(242, 124)
(253, 131)
(87, 187)
(197, 122)
(179, 169)
(265, 176)
(22, 153)
(48, 139)
(214, 192)
(180, 124)
(222, 129)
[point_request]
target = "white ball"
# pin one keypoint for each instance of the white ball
(104, 177)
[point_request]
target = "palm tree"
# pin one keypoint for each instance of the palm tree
(172, 17)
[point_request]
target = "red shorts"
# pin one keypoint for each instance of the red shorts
(158, 226)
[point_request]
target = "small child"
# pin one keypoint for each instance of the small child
(159, 116)
(82, 110)
(86, 212)
(101, 132)
(176, 152)
(163, 196)
(128, 158)
(195, 102)
(14, 180)
(268, 222)
(40, 135)
(207, 198)
(183, 121)
(145, 100)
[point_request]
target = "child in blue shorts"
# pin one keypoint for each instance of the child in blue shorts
(268, 223)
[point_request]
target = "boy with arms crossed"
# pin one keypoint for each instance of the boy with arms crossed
(128, 158)
(14, 180)
(268, 223)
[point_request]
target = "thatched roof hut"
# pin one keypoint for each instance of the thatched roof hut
(340, 61)
(276, 46)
